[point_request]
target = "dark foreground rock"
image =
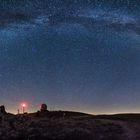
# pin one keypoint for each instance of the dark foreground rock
(67, 126)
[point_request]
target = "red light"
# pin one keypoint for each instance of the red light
(23, 105)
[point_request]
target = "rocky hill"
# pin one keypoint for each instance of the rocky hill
(63, 125)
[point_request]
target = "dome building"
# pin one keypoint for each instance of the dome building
(43, 108)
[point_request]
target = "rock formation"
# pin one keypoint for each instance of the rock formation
(2, 109)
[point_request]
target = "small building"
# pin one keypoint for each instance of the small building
(43, 108)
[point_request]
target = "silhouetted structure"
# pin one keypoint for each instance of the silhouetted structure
(43, 108)
(18, 111)
(2, 109)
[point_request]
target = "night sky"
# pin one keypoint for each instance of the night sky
(86, 60)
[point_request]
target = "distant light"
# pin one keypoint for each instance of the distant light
(23, 105)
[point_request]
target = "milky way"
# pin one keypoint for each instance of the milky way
(76, 55)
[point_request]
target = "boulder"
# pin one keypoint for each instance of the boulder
(2, 109)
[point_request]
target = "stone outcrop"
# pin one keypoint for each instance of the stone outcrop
(2, 109)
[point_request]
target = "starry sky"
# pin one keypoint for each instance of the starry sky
(86, 60)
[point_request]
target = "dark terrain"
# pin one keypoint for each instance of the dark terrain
(61, 125)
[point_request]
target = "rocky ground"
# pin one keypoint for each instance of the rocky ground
(59, 125)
